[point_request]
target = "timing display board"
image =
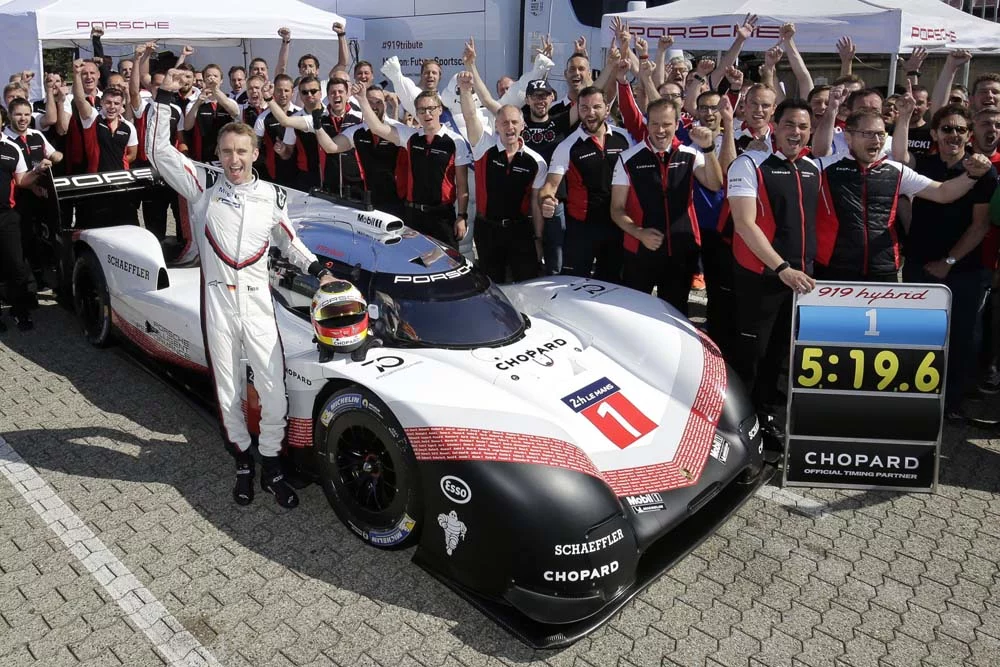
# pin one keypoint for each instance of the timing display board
(866, 386)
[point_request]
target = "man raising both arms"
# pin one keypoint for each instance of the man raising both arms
(236, 219)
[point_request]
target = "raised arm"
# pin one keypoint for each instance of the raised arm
(702, 74)
(142, 52)
(846, 50)
(541, 66)
(52, 105)
(404, 88)
(727, 150)
(473, 126)
(286, 44)
(177, 170)
(822, 141)
(227, 103)
(905, 107)
(913, 63)
(803, 79)
(191, 116)
(104, 68)
(83, 107)
(647, 72)
(343, 50)
(480, 87)
(708, 174)
(942, 88)
(631, 115)
(620, 28)
(660, 73)
(607, 80)
(767, 71)
(744, 32)
(375, 124)
(186, 52)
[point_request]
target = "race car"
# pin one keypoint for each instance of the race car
(550, 447)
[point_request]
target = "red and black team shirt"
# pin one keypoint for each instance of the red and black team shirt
(856, 222)
(587, 166)
(104, 145)
(269, 166)
(379, 162)
(430, 179)
(76, 158)
(786, 193)
(11, 163)
(34, 146)
(542, 136)
(503, 187)
(205, 134)
(145, 108)
(332, 166)
(661, 185)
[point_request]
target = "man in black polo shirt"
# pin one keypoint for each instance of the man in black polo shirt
(14, 173)
(438, 175)
(38, 154)
(207, 115)
(773, 199)
(651, 200)
(586, 158)
(378, 158)
(943, 245)
(279, 163)
(508, 231)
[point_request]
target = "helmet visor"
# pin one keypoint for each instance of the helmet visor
(342, 309)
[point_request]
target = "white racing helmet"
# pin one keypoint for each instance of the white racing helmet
(340, 317)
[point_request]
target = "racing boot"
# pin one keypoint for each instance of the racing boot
(243, 491)
(273, 481)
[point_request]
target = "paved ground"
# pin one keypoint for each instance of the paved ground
(119, 544)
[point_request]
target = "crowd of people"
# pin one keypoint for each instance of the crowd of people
(653, 174)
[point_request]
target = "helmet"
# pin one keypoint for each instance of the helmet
(339, 316)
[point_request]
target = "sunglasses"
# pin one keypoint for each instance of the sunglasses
(311, 91)
(954, 129)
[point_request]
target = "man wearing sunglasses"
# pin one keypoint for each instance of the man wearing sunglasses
(943, 245)
(338, 173)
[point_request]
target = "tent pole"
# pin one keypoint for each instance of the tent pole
(893, 66)
(243, 43)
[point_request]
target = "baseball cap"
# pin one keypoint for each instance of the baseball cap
(539, 86)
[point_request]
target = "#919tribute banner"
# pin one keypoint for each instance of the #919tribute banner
(866, 386)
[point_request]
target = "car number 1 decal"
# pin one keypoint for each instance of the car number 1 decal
(607, 408)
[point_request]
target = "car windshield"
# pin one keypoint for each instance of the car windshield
(478, 318)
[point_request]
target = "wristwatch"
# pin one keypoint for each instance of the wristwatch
(950, 261)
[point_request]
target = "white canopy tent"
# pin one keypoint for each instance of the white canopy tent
(222, 31)
(876, 26)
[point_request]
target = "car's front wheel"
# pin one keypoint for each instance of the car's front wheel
(91, 300)
(367, 469)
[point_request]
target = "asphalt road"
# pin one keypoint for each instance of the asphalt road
(120, 544)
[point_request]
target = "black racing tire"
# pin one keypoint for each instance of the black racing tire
(367, 469)
(91, 300)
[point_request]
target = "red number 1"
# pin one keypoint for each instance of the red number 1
(619, 420)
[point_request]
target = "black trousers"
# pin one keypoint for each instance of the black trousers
(593, 247)
(764, 321)
(506, 245)
(717, 262)
(438, 223)
(670, 274)
(155, 203)
(13, 269)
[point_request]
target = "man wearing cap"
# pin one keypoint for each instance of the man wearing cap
(542, 133)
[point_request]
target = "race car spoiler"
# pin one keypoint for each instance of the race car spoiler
(82, 186)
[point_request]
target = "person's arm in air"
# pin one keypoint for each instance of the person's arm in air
(191, 117)
(180, 173)
(103, 66)
(846, 50)
(227, 103)
(286, 42)
(404, 88)
(83, 107)
(482, 90)
(375, 124)
(542, 65)
(803, 79)
(473, 126)
(942, 89)
(142, 53)
(905, 106)
(51, 116)
(729, 58)
(343, 46)
(976, 166)
(822, 142)
(768, 70)
(707, 169)
(631, 116)
(742, 195)
(647, 70)
(702, 74)
(727, 150)
(913, 63)
(660, 73)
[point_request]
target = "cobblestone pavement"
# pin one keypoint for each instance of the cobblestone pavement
(120, 544)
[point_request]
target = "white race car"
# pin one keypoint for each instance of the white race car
(551, 447)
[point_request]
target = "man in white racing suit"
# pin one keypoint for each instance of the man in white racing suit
(236, 218)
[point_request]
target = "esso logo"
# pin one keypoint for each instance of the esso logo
(455, 490)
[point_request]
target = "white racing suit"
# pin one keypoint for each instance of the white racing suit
(234, 226)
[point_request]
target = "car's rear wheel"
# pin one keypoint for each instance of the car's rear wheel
(367, 469)
(91, 300)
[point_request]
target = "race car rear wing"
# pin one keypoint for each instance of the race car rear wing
(82, 186)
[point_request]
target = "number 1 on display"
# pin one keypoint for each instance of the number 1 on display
(872, 316)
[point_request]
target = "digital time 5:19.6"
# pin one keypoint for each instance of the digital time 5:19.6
(868, 369)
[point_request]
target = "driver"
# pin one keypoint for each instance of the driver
(236, 218)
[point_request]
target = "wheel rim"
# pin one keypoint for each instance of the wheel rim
(366, 471)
